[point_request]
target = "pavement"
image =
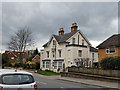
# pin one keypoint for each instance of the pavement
(104, 84)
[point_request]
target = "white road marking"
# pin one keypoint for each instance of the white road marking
(41, 82)
(61, 87)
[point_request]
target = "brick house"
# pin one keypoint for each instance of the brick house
(109, 47)
(36, 58)
(15, 55)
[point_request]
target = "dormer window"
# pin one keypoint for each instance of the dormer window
(73, 40)
(82, 42)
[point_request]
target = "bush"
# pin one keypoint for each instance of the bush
(37, 65)
(31, 65)
(111, 63)
(9, 65)
(24, 66)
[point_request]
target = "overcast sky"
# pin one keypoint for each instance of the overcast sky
(97, 20)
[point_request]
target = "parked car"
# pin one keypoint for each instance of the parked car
(16, 79)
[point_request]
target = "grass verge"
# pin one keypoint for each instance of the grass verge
(47, 73)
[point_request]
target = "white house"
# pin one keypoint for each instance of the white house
(69, 49)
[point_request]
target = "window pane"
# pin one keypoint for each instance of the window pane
(59, 53)
(73, 41)
(47, 64)
(54, 42)
(112, 50)
(82, 42)
(53, 53)
(60, 65)
(43, 64)
(55, 65)
(47, 54)
(78, 39)
(79, 53)
(92, 55)
(107, 50)
(12, 79)
(12, 57)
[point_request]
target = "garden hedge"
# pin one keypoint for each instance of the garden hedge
(111, 63)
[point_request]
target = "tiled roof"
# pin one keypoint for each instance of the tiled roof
(114, 40)
(62, 38)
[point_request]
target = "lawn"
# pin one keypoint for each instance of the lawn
(47, 73)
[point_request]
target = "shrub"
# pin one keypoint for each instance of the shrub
(58, 69)
(112, 63)
(37, 65)
(31, 65)
(24, 66)
(48, 70)
(9, 65)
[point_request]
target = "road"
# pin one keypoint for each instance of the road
(46, 82)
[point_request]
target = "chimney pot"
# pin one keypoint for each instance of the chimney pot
(61, 31)
(74, 27)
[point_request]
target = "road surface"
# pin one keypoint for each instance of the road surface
(46, 82)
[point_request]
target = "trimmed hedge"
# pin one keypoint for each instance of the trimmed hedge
(111, 63)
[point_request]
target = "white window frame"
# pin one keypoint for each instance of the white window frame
(58, 65)
(46, 64)
(109, 52)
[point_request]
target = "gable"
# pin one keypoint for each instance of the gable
(36, 57)
(81, 37)
(65, 38)
(50, 40)
(110, 42)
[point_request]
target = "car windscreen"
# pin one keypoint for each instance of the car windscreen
(16, 79)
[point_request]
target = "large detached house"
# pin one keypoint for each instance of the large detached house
(110, 47)
(68, 49)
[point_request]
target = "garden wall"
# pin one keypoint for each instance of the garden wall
(111, 73)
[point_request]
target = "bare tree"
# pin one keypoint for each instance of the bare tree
(21, 40)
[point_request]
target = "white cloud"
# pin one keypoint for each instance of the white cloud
(95, 43)
(114, 24)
